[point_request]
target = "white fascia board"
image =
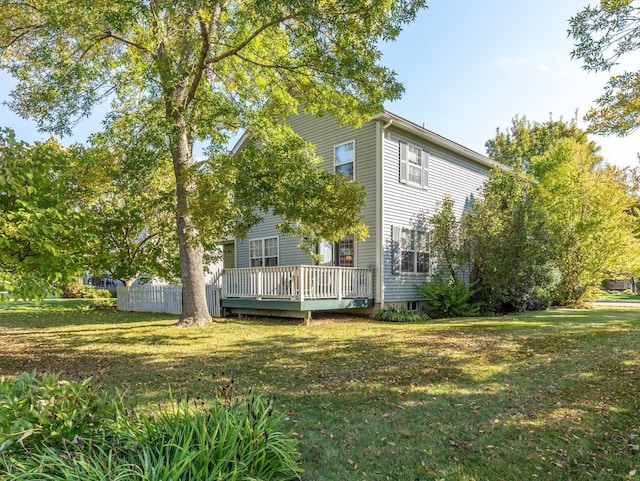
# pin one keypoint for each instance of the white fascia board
(439, 140)
(240, 143)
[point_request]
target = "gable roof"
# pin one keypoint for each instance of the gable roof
(392, 119)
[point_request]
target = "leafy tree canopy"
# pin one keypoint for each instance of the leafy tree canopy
(129, 212)
(526, 139)
(586, 206)
(603, 34)
(187, 71)
(508, 243)
(39, 246)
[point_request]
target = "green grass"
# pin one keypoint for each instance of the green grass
(619, 296)
(550, 395)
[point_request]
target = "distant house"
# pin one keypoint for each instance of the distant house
(406, 171)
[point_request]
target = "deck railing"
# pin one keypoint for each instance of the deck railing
(298, 283)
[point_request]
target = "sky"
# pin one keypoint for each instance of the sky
(469, 67)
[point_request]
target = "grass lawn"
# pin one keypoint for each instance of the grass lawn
(619, 296)
(541, 396)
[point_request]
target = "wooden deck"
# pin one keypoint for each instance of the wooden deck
(285, 289)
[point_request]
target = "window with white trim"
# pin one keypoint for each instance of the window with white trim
(264, 252)
(345, 252)
(414, 251)
(414, 165)
(344, 156)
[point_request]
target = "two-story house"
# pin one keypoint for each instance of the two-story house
(406, 171)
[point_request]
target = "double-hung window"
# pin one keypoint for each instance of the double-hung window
(414, 165)
(344, 156)
(413, 251)
(263, 252)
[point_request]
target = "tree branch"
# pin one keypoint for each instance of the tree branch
(110, 34)
(248, 40)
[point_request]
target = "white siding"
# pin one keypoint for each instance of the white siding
(448, 174)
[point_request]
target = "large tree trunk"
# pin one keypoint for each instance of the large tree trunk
(194, 300)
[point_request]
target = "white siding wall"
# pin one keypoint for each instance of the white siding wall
(325, 133)
(448, 174)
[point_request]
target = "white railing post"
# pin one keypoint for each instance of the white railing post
(223, 279)
(303, 283)
(259, 285)
(338, 281)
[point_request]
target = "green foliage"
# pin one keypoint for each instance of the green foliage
(586, 207)
(604, 33)
(88, 291)
(508, 242)
(231, 440)
(558, 234)
(38, 244)
(448, 298)
(129, 205)
(56, 430)
(104, 304)
(395, 314)
(40, 410)
(524, 140)
(446, 239)
(282, 176)
(177, 74)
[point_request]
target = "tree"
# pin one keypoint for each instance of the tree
(604, 34)
(197, 71)
(525, 139)
(39, 247)
(587, 207)
(446, 237)
(508, 243)
(129, 213)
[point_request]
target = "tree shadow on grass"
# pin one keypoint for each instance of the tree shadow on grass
(442, 400)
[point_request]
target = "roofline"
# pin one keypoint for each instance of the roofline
(421, 132)
(240, 143)
(438, 140)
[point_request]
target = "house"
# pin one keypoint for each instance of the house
(406, 171)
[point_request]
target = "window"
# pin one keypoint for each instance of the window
(263, 252)
(343, 157)
(345, 252)
(414, 165)
(413, 251)
(413, 306)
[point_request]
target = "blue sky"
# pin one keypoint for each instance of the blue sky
(469, 67)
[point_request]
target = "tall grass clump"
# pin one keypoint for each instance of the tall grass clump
(228, 439)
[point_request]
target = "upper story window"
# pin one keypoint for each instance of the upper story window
(264, 252)
(344, 156)
(414, 165)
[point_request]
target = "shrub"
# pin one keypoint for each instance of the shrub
(40, 410)
(103, 304)
(448, 298)
(73, 289)
(102, 294)
(88, 291)
(536, 299)
(394, 314)
(231, 440)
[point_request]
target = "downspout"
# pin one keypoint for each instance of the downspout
(380, 210)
